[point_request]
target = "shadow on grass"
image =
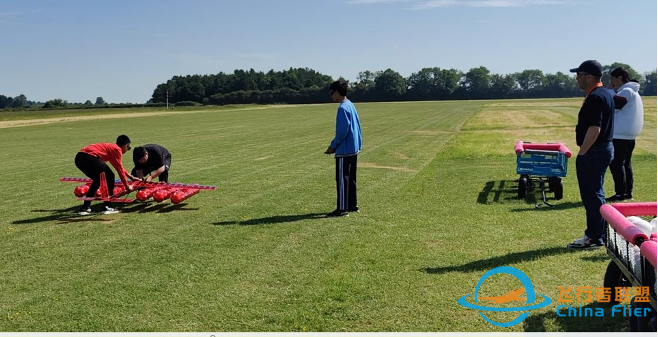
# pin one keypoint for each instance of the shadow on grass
(557, 205)
(273, 219)
(509, 190)
(159, 208)
(498, 261)
(65, 215)
(596, 258)
(550, 321)
(497, 188)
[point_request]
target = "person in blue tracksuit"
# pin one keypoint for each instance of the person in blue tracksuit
(345, 146)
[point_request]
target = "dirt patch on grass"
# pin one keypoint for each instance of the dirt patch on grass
(516, 119)
(538, 103)
(263, 158)
(41, 121)
(541, 135)
(373, 165)
(401, 156)
(429, 132)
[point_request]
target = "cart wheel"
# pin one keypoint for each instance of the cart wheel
(558, 189)
(615, 278)
(523, 186)
(551, 184)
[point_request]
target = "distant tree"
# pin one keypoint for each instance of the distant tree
(650, 84)
(476, 82)
(530, 80)
(422, 85)
(560, 85)
(390, 85)
(100, 101)
(20, 101)
(88, 102)
(6, 101)
(55, 103)
(631, 72)
(447, 82)
(502, 86)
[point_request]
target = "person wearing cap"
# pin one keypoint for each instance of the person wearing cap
(151, 160)
(629, 120)
(594, 137)
(91, 161)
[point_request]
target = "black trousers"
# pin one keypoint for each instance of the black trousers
(346, 183)
(620, 167)
(163, 177)
(92, 167)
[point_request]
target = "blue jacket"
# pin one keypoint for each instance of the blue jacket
(348, 131)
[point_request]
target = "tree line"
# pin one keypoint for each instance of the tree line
(304, 85)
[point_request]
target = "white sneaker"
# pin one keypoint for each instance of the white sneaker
(585, 243)
(84, 211)
(110, 210)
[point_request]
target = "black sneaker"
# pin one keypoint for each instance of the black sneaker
(337, 213)
(586, 243)
(354, 209)
(628, 196)
(615, 197)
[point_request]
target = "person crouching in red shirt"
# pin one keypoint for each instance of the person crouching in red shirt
(91, 161)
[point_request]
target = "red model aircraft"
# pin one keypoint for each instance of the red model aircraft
(176, 192)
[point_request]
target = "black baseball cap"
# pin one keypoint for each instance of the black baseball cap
(592, 67)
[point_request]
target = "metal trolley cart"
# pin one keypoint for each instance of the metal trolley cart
(547, 162)
(633, 256)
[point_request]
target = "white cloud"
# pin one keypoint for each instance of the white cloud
(484, 3)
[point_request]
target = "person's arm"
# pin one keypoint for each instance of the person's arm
(342, 128)
(139, 174)
(115, 160)
(622, 97)
(156, 173)
(590, 138)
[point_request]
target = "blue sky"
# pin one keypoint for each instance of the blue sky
(120, 50)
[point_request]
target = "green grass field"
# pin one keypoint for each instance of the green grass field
(437, 192)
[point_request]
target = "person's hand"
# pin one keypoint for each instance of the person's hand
(129, 188)
(330, 150)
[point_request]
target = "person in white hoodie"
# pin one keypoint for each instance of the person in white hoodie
(629, 119)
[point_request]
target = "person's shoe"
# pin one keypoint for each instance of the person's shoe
(615, 197)
(354, 209)
(337, 213)
(585, 243)
(110, 210)
(84, 211)
(628, 196)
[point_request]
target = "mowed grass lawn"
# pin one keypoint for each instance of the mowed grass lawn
(439, 208)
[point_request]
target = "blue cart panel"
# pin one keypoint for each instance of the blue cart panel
(542, 163)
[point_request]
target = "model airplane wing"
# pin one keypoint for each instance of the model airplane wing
(160, 191)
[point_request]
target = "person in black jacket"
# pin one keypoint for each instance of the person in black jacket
(151, 160)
